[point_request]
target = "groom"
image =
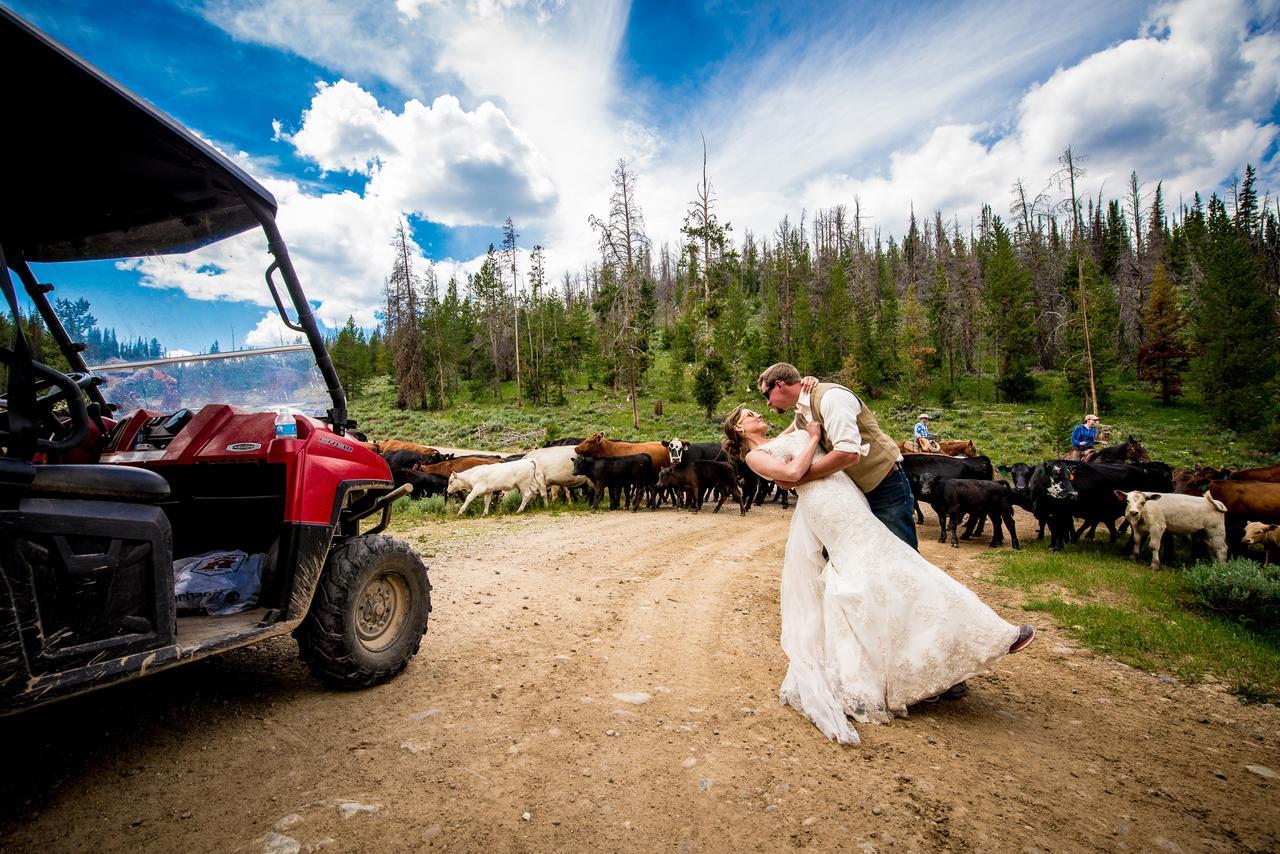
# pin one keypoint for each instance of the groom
(846, 425)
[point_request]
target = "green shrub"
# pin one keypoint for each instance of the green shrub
(1237, 588)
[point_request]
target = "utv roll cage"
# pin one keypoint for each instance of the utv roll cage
(98, 510)
(151, 187)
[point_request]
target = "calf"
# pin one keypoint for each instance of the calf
(1155, 514)
(499, 477)
(693, 476)
(1247, 501)
(423, 483)
(952, 498)
(917, 466)
(630, 475)
(1268, 536)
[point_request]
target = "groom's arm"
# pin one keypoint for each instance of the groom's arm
(840, 421)
(833, 462)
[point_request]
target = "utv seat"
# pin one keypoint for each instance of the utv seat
(108, 482)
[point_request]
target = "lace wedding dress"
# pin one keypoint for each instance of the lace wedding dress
(876, 627)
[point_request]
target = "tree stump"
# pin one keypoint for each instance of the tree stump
(657, 409)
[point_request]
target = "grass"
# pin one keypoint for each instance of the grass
(1145, 619)
(406, 512)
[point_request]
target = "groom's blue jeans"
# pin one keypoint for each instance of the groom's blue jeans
(892, 504)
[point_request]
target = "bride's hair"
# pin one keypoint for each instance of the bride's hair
(732, 443)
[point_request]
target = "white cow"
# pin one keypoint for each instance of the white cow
(555, 464)
(1155, 514)
(499, 477)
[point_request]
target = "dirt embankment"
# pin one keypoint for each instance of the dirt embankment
(609, 682)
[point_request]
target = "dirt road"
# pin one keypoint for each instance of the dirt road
(609, 682)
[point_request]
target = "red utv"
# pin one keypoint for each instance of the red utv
(98, 500)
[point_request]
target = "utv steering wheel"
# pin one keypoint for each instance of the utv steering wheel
(66, 387)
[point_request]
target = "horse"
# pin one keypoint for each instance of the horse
(1128, 451)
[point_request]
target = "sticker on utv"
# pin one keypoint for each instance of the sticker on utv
(335, 443)
(244, 446)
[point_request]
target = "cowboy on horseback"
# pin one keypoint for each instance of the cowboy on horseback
(1083, 438)
(925, 439)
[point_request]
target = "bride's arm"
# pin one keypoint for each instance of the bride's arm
(767, 466)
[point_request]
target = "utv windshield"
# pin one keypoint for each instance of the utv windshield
(248, 379)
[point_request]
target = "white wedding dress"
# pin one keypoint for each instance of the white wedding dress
(876, 627)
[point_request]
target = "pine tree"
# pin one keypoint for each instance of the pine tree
(350, 355)
(1235, 325)
(1010, 308)
(710, 383)
(1164, 356)
(404, 329)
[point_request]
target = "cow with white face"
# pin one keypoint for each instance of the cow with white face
(676, 448)
(1154, 514)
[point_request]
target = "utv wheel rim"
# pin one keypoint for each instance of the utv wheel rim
(381, 610)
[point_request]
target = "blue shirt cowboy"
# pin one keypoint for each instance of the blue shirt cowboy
(1085, 435)
(922, 429)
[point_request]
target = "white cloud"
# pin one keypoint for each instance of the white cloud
(271, 332)
(1185, 102)
(449, 165)
(546, 67)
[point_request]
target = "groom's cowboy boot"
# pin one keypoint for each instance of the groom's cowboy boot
(955, 692)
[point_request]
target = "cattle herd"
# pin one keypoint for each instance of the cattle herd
(1226, 511)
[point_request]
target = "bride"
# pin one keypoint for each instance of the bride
(876, 627)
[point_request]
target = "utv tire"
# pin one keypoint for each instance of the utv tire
(368, 615)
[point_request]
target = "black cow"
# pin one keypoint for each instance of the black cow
(409, 459)
(1064, 490)
(632, 475)
(958, 468)
(1019, 475)
(952, 498)
(573, 440)
(692, 477)
(424, 483)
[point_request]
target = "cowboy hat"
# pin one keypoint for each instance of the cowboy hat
(923, 416)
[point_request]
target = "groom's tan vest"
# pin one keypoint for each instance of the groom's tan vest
(871, 469)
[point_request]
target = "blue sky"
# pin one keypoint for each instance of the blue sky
(454, 114)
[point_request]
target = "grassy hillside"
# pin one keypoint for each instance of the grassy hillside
(1179, 435)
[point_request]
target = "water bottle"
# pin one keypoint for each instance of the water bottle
(286, 425)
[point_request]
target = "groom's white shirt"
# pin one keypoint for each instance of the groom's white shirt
(839, 419)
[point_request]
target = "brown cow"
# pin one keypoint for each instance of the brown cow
(386, 446)
(1247, 500)
(448, 467)
(1269, 474)
(596, 445)
(1193, 481)
(1268, 536)
(958, 447)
